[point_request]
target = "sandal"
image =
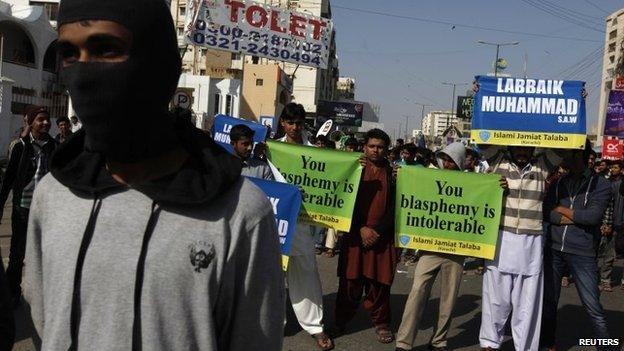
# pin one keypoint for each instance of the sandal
(323, 341)
(330, 253)
(384, 335)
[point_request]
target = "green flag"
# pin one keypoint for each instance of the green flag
(448, 211)
(329, 178)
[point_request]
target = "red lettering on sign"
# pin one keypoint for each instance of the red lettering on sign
(296, 25)
(275, 17)
(234, 7)
(264, 16)
(318, 25)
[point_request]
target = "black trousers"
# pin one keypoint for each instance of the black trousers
(19, 225)
(7, 323)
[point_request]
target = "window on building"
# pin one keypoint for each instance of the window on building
(202, 72)
(180, 31)
(612, 47)
(236, 56)
(259, 82)
(182, 11)
(217, 105)
(255, 60)
(229, 105)
(612, 59)
(50, 8)
(613, 34)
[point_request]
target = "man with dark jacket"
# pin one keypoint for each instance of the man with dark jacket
(574, 206)
(27, 165)
(160, 243)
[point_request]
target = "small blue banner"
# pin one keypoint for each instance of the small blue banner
(286, 201)
(223, 124)
(529, 112)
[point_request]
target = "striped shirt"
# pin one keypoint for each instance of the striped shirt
(522, 212)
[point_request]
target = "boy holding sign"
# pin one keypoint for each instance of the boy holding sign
(304, 282)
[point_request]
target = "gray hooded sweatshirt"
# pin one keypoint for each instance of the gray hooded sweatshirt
(188, 262)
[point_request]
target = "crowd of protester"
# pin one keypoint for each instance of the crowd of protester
(135, 230)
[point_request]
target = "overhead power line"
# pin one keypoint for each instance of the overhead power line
(554, 11)
(460, 25)
(597, 7)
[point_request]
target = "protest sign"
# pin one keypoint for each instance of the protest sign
(330, 180)
(614, 124)
(612, 149)
(448, 211)
(223, 125)
(286, 201)
(261, 30)
(465, 106)
(529, 112)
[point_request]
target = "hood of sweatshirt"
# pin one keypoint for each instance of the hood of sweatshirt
(457, 152)
(208, 173)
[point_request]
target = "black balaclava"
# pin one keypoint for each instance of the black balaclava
(124, 106)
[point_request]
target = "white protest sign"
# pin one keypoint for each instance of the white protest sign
(259, 30)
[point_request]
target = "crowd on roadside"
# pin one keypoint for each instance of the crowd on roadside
(139, 232)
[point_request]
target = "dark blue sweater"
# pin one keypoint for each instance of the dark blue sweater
(589, 203)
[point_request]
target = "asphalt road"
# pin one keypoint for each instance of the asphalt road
(573, 321)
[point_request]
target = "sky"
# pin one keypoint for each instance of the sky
(400, 51)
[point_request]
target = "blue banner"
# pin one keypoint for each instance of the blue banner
(223, 124)
(529, 112)
(286, 201)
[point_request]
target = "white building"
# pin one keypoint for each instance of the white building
(212, 96)
(28, 68)
(613, 57)
(50, 7)
(436, 122)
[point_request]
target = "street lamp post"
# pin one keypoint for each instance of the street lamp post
(498, 45)
(454, 85)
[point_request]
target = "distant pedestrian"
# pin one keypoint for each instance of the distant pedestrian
(611, 227)
(368, 258)
(64, 127)
(241, 139)
(145, 236)
(76, 125)
(27, 166)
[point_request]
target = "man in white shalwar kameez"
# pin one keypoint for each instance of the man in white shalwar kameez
(514, 280)
(302, 276)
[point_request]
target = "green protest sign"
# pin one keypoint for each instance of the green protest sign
(329, 178)
(448, 211)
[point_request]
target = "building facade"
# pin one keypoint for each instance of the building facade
(612, 62)
(345, 88)
(309, 84)
(29, 68)
(436, 122)
(266, 90)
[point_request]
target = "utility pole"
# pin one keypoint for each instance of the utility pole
(422, 113)
(498, 45)
(454, 85)
(406, 129)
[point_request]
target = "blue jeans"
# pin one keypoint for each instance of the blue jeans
(585, 272)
